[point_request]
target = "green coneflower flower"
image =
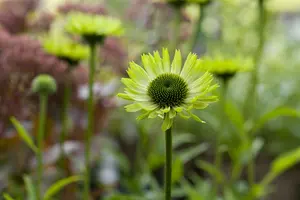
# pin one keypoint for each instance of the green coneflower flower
(65, 49)
(164, 89)
(93, 28)
(224, 67)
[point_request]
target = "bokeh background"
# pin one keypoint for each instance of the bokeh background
(128, 156)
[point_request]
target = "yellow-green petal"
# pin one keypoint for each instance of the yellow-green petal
(188, 65)
(177, 63)
(168, 122)
(125, 96)
(133, 107)
(149, 67)
(166, 61)
(138, 74)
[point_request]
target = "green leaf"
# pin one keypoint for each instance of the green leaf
(192, 152)
(281, 164)
(285, 161)
(278, 112)
(177, 171)
(212, 170)
(155, 161)
(23, 134)
(7, 197)
(30, 188)
(56, 187)
(229, 195)
(191, 192)
(235, 116)
(256, 146)
(182, 138)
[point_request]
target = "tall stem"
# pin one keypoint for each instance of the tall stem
(252, 96)
(219, 154)
(198, 34)
(40, 143)
(90, 121)
(177, 23)
(66, 101)
(168, 169)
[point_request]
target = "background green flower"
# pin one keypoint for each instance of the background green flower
(96, 26)
(65, 48)
(221, 65)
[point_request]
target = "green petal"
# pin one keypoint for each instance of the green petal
(203, 89)
(158, 61)
(153, 114)
(181, 114)
(165, 110)
(208, 99)
(166, 61)
(138, 97)
(138, 74)
(194, 72)
(149, 67)
(143, 116)
(133, 107)
(188, 65)
(196, 118)
(148, 106)
(131, 84)
(125, 96)
(178, 109)
(168, 122)
(158, 69)
(205, 78)
(200, 105)
(172, 113)
(177, 62)
(134, 91)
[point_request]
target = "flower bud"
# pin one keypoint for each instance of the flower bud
(43, 84)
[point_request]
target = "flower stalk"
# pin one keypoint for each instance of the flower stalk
(43, 85)
(177, 25)
(168, 168)
(252, 95)
(90, 128)
(219, 154)
(66, 102)
(40, 142)
(198, 34)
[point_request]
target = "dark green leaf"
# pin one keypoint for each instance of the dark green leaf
(7, 197)
(278, 112)
(30, 188)
(24, 134)
(192, 152)
(212, 170)
(56, 187)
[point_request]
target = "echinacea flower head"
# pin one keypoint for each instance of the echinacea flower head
(93, 28)
(65, 49)
(164, 89)
(226, 67)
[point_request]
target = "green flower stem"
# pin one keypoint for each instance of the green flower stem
(90, 120)
(198, 34)
(252, 96)
(168, 169)
(177, 23)
(40, 142)
(66, 102)
(219, 154)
